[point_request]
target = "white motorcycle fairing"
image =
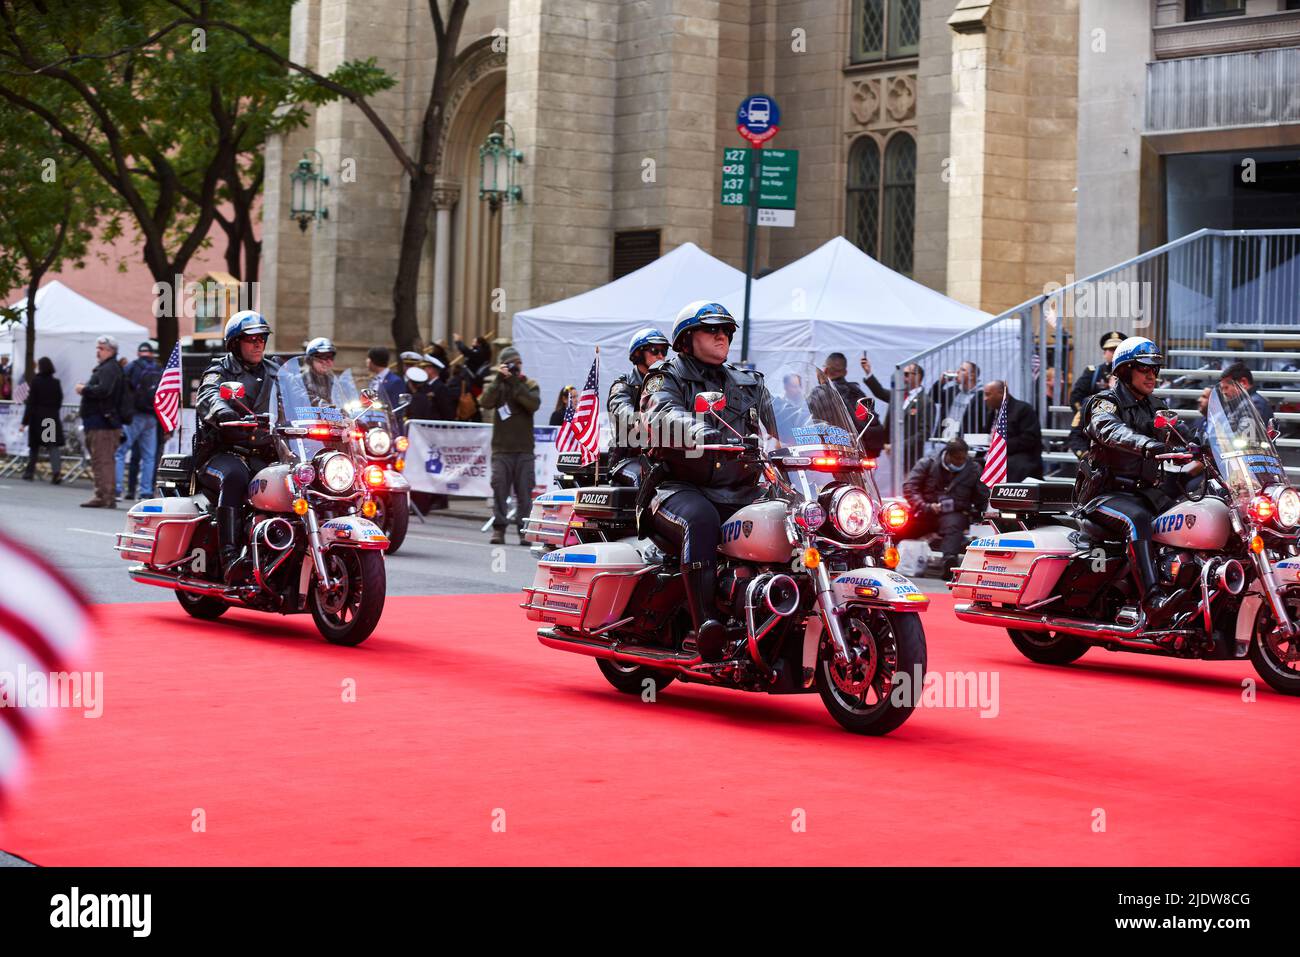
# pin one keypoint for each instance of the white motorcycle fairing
(878, 587)
(352, 531)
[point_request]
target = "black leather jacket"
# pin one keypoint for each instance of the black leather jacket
(258, 382)
(624, 406)
(1121, 429)
(668, 404)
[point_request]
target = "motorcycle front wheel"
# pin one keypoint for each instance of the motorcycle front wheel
(347, 615)
(1275, 656)
(860, 696)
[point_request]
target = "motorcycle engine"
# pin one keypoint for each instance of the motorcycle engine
(1179, 568)
(732, 580)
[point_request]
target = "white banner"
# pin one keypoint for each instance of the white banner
(455, 458)
(13, 434)
(449, 458)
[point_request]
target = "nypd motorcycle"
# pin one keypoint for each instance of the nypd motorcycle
(1228, 550)
(810, 607)
(307, 525)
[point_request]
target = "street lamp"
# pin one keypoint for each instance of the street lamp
(305, 193)
(496, 167)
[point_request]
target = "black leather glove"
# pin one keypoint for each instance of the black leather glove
(225, 413)
(1156, 448)
(709, 436)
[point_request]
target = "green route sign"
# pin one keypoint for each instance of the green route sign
(779, 184)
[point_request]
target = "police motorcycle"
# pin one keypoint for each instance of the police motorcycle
(307, 527)
(1228, 551)
(811, 608)
(385, 448)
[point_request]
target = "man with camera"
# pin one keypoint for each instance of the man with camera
(513, 398)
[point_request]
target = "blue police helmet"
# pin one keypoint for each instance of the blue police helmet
(320, 346)
(1136, 350)
(649, 336)
(699, 314)
(245, 323)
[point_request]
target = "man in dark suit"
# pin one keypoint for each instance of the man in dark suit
(957, 402)
(918, 410)
(1024, 434)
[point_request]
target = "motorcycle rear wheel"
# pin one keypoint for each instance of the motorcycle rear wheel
(631, 679)
(349, 617)
(1048, 648)
(896, 646)
(204, 607)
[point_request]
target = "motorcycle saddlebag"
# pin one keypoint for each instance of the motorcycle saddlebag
(1015, 568)
(584, 586)
(159, 530)
(548, 523)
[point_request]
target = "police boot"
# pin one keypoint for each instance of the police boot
(709, 634)
(235, 562)
(1156, 602)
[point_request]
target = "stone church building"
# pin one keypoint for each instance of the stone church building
(946, 138)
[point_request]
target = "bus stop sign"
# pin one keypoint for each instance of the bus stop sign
(758, 119)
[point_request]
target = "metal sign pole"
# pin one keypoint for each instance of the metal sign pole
(751, 242)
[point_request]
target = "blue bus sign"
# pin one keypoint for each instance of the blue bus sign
(758, 119)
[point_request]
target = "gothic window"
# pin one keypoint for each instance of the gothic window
(880, 214)
(885, 29)
(863, 207)
(900, 203)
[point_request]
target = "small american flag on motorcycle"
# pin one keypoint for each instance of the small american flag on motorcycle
(995, 464)
(167, 400)
(580, 429)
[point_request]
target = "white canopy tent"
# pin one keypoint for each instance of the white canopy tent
(557, 342)
(839, 299)
(67, 325)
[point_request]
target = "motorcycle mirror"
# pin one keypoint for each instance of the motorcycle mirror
(404, 399)
(710, 402)
(1166, 419)
(1273, 434)
(232, 390)
(861, 412)
(368, 397)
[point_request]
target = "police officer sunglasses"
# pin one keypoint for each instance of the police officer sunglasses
(656, 350)
(324, 355)
(261, 337)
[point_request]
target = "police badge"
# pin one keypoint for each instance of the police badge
(746, 527)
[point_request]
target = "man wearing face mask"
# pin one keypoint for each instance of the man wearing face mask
(942, 492)
(226, 459)
(1120, 486)
(690, 493)
(648, 347)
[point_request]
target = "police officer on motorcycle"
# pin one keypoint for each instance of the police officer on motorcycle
(318, 371)
(226, 459)
(1120, 486)
(647, 347)
(690, 493)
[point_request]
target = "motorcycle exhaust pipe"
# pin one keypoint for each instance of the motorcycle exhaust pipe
(656, 658)
(1027, 621)
(194, 587)
(275, 533)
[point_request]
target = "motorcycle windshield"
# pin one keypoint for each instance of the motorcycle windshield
(811, 412)
(306, 399)
(1238, 439)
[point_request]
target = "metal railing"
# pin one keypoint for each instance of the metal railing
(1254, 88)
(1182, 295)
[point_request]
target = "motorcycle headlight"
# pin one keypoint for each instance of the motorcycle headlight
(378, 442)
(810, 515)
(851, 512)
(336, 472)
(1288, 508)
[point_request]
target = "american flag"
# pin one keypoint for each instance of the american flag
(45, 625)
(167, 400)
(579, 430)
(995, 465)
(20, 391)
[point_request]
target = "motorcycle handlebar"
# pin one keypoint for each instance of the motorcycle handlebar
(721, 448)
(1176, 457)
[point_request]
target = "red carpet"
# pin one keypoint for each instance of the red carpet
(459, 712)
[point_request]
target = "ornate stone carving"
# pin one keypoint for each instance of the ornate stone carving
(900, 101)
(864, 101)
(445, 194)
(475, 64)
